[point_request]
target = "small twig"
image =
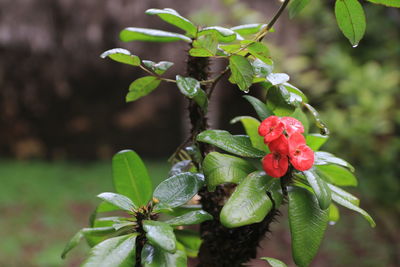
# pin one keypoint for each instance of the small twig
(264, 31)
(215, 81)
(156, 75)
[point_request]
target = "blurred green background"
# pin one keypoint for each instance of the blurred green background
(58, 135)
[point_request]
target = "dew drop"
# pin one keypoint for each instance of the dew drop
(332, 223)
(354, 46)
(246, 92)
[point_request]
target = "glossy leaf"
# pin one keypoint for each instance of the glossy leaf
(97, 235)
(181, 166)
(152, 256)
(295, 93)
(320, 187)
(261, 69)
(122, 55)
(179, 189)
(250, 126)
(344, 194)
(318, 122)
(241, 72)
(190, 240)
(261, 109)
(307, 225)
(391, 3)
(345, 203)
(190, 87)
(278, 78)
(277, 103)
(160, 234)
(249, 203)
(114, 252)
(181, 210)
(236, 144)
(315, 141)
(190, 218)
(221, 168)
(73, 242)
(205, 46)
(296, 6)
(351, 19)
(260, 51)
(172, 17)
(131, 178)
(325, 158)
(337, 175)
(224, 35)
(142, 87)
(274, 262)
(160, 67)
(150, 35)
(247, 29)
(120, 225)
(334, 214)
(118, 200)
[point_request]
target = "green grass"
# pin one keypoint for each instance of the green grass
(43, 204)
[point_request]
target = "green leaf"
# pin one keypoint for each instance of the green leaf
(191, 88)
(299, 115)
(261, 109)
(73, 242)
(242, 72)
(295, 93)
(160, 67)
(320, 187)
(247, 29)
(153, 256)
(260, 51)
(97, 235)
(261, 69)
(131, 178)
(251, 125)
(277, 103)
(142, 87)
(181, 210)
(205, 46)
(236, 144)
(122, 55)
(118, 200)
(345, 203)
(351, 20)
(296, 6)
(307, 225)
(325, 158)
(278, 78)
(172, 17)
(224, 35)
(160, 234)
(334, 214)
(274, 262)
(320, 124)
(181, 166)
(249, 203)
(221, 168)
(344, 194)
(315, 141)
(193, 217)
(190, 240)
(114, 252)
(179, 188)
(337, 175)
(391, 3)
(150, 35)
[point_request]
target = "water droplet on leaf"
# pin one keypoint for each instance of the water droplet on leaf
(354, 46)
(246, 92)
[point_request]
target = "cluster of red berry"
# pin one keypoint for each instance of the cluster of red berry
(286, 143)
